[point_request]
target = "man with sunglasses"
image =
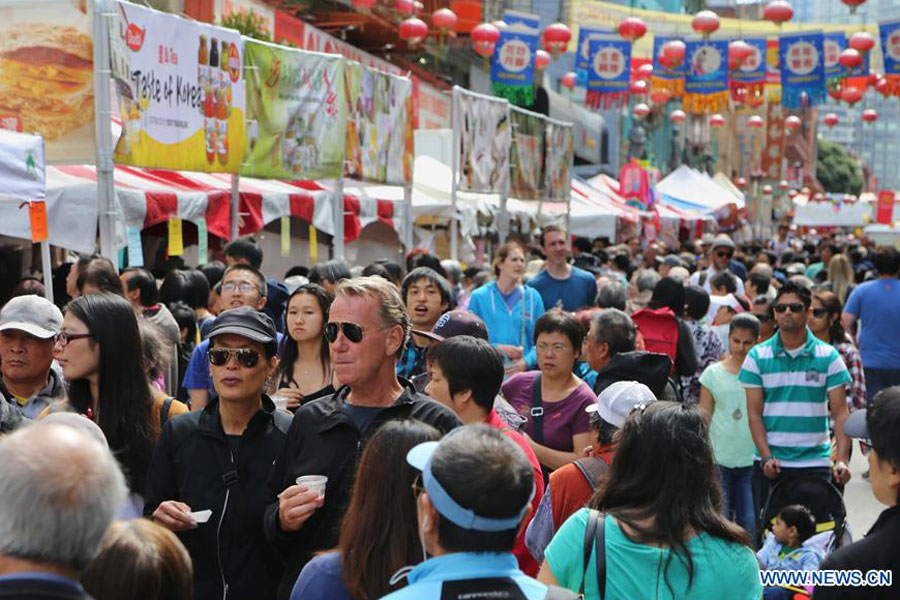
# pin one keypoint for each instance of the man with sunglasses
(793, 382)
(242, 285)
(720, 262)
(367, 328)
(218, 460)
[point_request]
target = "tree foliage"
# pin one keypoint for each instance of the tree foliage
(837, 170)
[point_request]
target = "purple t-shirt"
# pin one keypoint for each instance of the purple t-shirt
(562, 419)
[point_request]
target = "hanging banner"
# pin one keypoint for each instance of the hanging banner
(180, 91)
(47, 77)
(890, 50)
(297, 113)
(706, 81)
(560, 146)
(885, 207)
(512, 65)
(22, 171)
(526, 155)
(379, 144)
(748, 80)
(802, 63)
(484, 142)
(773, 71)
(832, 46)
(666, 77)
(773, 150)
(608, 72)
(583, 52)
(518, 20)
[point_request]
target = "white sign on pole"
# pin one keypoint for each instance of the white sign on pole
(22, 175)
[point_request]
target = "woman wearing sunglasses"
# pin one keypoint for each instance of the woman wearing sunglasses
(304, 367)
(208, 475)
(825, 323)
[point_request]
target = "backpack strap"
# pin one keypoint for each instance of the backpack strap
(703, 275)
(537, 411)
(593, 470)
(164, 411)
(595, 539)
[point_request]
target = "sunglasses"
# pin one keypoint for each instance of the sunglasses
(819, 312)
(352, 331)
(763, 317)
(724, 254)
(245, 357)
(795, 307)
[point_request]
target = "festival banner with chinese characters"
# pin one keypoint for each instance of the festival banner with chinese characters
(706, 82)
(296, 111)
(609, 70)
(773, 150)
(583, 52)
(667, 77)
(802, 59)
(484, 141)
(832, 46)
(890, 49)
(560, 146)
(179, 91)
(526, 154)
(748, 80)
(512, 66)
(884, 214)
(47, 76)
(379, 127)
(773, 71)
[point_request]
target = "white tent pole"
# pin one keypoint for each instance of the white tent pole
(46, 267)
(454, 166)
(103, 118)
(235, 206)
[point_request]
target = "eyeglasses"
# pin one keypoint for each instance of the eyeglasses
(243, 286)
(417, 488)
(819, 312)
(724, 254)
(795, 307)
(555, 348)
(245, 357)
(865, 446)
(63, 338)
(352, 331)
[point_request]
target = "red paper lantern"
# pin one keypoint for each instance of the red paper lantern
(444, 19)
(639, 87)
(645, 71)
(756, 122)
(767, 190)
(873, 78)
(861, 41)
(793, 122)
(783, 185)
(632, 29)
(660, 97)
(418, 7)
(541, 60)
(778, 11)
(717, 120)
(870, 115)
(705, 22)
(556, 38)
(363, 6)
(850, 58)
(413, 30)
(677, 116)
(831, 120)
(405, 7)
(741, 183)
(881, 86)
(738, 53)
(851, 95)
(853, 4)
(484, 39)
(641, 110)
(568, 80)
(674, 51)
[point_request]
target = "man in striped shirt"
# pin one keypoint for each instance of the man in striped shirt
(791, 381)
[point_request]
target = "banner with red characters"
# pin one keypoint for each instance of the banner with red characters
(179, 91)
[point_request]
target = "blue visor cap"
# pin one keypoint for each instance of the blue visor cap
(420, 458)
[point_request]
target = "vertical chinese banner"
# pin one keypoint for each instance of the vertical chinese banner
(885, 213)
(773, 149)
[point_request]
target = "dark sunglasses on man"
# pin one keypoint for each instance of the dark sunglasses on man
(352, 331)
(245, 357)
(794, 307)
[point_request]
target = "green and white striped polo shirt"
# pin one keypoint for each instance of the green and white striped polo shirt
(795, 409)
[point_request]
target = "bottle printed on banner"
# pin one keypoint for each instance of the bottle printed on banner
(202, 68)
(209, 103)
(223, 97)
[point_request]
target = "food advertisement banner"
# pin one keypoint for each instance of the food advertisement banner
(179, 91)
(560, 153)
(296, 111)
(379, 126)
(484, 141)
(47, 76)
(527, 155)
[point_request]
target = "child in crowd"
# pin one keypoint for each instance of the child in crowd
(786, 547)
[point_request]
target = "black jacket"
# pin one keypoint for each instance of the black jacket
(880, 549)
(26, 587)
(194, 463)
(324, 440)
(649, 368)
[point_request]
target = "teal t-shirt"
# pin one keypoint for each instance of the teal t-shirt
(637, 572)
(729, 430)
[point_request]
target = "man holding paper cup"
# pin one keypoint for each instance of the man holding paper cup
(208, 473)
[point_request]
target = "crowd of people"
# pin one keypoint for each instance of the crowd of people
(573, 419)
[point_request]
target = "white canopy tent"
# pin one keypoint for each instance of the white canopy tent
(687, 189)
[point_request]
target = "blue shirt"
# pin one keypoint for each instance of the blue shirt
(425, 580)
(774, 555)
(875, 303)
(321, 579)
(513, 326)
(197, 375)
(574, 293)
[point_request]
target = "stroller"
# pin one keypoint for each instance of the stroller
(821, 498)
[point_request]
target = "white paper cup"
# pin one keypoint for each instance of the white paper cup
(281, 402)
(314, 483)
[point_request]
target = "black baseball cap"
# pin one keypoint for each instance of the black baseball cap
(247, 322)
(454, 323)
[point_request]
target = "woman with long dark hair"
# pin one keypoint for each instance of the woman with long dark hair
(100, 352)
(669, 294)
(660, 512)
(825, 323)
(304, 368)
(379, 534)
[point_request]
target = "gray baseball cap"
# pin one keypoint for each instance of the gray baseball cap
(34, 315)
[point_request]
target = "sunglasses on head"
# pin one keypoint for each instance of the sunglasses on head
(352, 331)
(245, 357)
(795, 307)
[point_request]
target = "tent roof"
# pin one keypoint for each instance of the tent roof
(687, 189)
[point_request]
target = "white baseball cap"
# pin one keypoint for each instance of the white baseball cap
(617, 401)
(32, 314)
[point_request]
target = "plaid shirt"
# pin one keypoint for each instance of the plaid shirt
(856, 389)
